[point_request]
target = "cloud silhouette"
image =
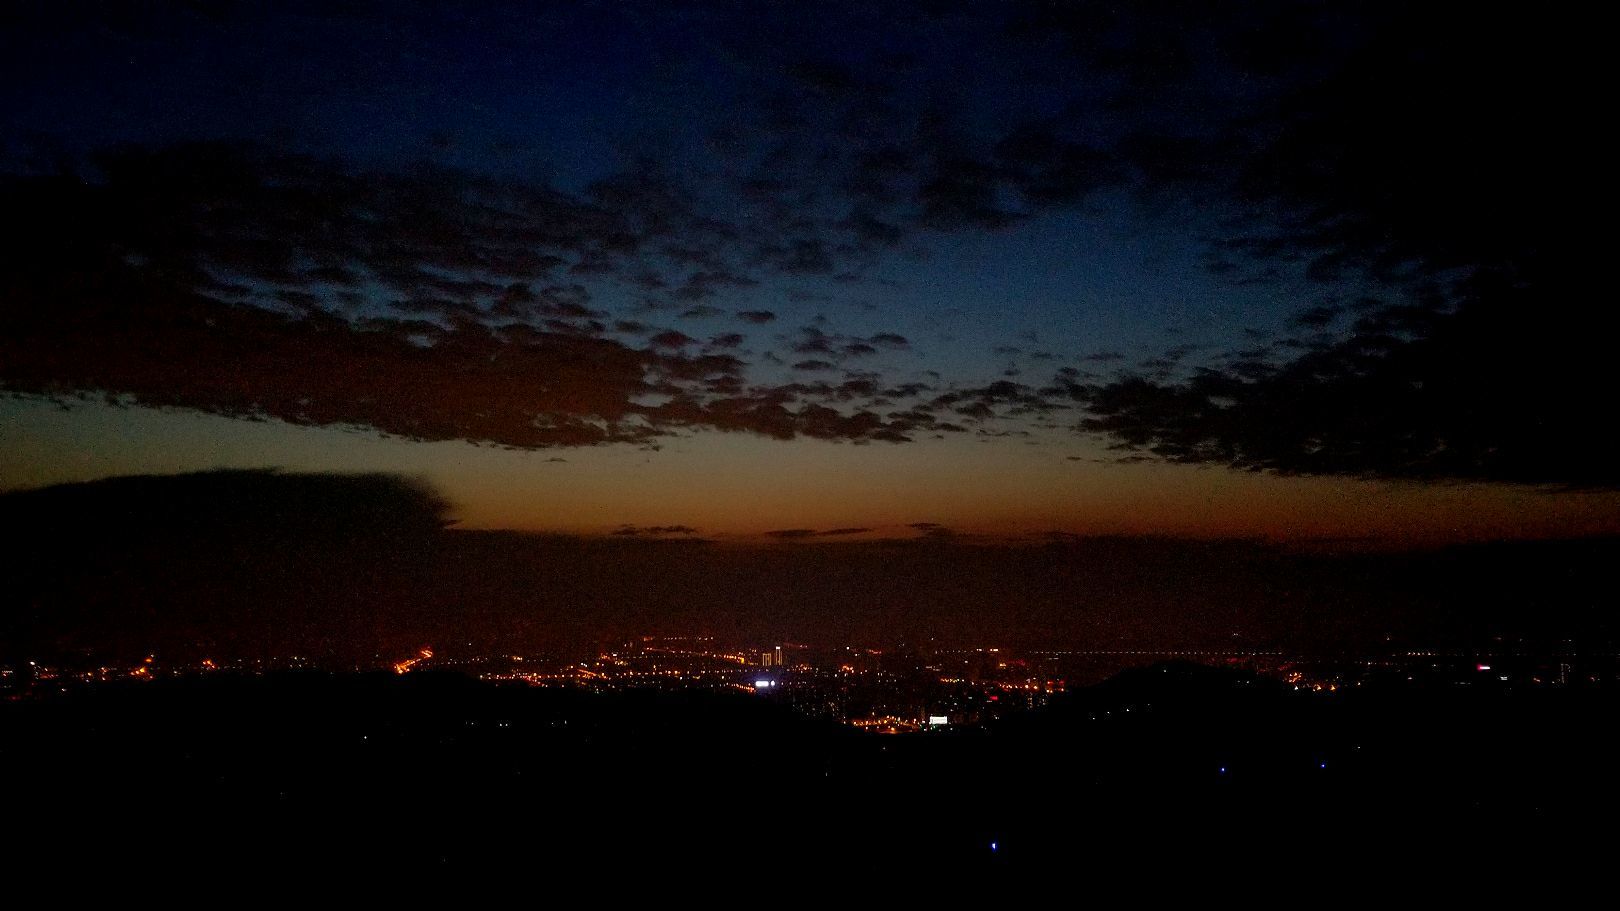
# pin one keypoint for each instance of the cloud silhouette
(796, 534)
(1481, 393)
(1374, 149)
(230, 280)
(1399, 156)
(635, 531)
(342, 567)
(249, 562)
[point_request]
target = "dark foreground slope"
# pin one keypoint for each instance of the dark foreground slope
(284, 778)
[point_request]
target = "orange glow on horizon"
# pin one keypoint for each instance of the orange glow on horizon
(735, 487)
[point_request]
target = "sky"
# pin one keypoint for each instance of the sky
(1294, 271)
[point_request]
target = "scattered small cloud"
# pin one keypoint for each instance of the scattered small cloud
(652, 531)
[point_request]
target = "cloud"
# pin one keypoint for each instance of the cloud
(239, 561)
(426, 306)
(671, 339)
(263, 564)
(636, 531)
(796, 534)
(1480, 393)
(707, 283)
(1048, 170)
(256, 502)
(814, 341)
(1381, 149)
(1482, 365)
(1394, 153)
(1316, 317)
(1001, 399)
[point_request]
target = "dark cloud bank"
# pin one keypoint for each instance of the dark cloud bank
(428, 306)
(1435, 158)
(350, 567)
(1431, 173)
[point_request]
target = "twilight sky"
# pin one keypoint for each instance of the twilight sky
(1294, 270)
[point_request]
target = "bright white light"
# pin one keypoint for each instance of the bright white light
(764, 684)
(938, 720)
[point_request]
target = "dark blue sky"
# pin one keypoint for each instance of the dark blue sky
(1284, 240)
